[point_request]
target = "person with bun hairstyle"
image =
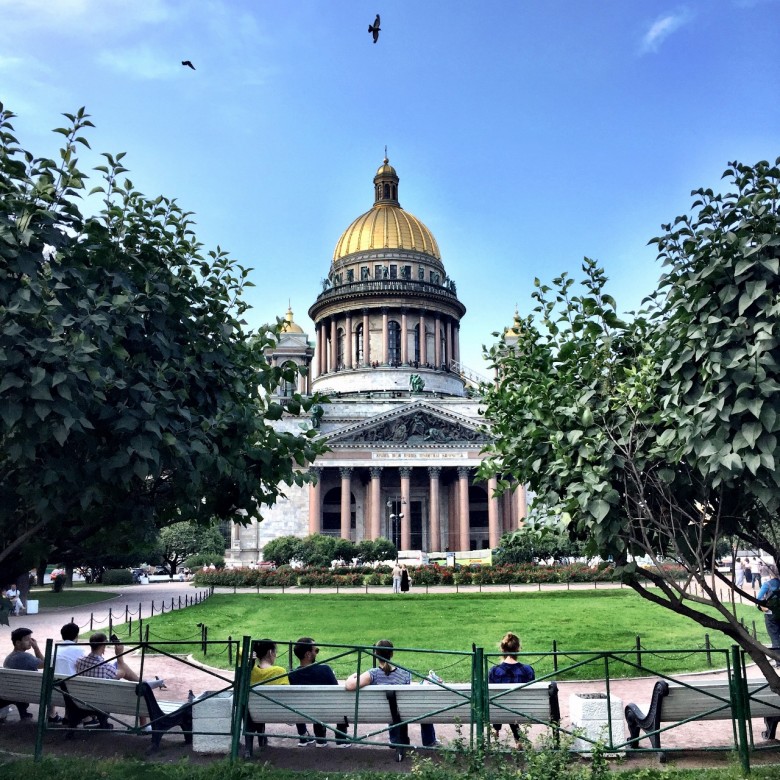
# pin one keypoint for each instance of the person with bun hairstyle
(510, 671)
(384, 673)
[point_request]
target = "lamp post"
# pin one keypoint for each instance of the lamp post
(394, 520)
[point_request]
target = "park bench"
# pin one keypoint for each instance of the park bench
(676, 703)
(105, 700)
(21, 687)
(336, 708)
(117, 700)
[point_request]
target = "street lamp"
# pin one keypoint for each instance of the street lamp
(394, 519)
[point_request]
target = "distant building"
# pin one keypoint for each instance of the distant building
(404, 431)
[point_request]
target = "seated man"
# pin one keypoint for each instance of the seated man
(309, 672)
(12, 594)
(95, 665)
(21, 658)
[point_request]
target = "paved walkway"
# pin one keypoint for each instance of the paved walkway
(180, 678)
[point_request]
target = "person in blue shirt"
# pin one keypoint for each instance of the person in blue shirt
(768, 589)
(509, 671)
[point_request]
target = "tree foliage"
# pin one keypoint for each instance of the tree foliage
(658, 436)
(129, 386)
(180, 541)
(537, 541)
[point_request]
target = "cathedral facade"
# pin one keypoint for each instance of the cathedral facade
(402, 421)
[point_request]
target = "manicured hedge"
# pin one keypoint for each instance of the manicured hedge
(318, 577)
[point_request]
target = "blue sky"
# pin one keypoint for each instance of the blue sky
(526, 134)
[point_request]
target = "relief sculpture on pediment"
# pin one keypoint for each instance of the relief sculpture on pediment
(419, 428)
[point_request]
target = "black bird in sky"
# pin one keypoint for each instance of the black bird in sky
(188, 64)
(374, 28)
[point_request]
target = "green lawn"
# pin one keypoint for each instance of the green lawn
(47, 598)
(576, 620)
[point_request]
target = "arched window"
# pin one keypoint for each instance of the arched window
(359, 344)
(387, 190)
(417, 343)
(340, 348)
(394, 343)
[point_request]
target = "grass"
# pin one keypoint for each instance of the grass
(576, 620)
(70, 768)
(48, 599)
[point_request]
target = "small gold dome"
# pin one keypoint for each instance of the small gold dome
(289, 325)
(386, 225)
(515, 330)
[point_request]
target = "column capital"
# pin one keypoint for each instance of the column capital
(434, 471)
(316, 471)
(345, 471)
(376, 472)
(405, 471)
(464, 472)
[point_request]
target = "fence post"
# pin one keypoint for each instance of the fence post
(127, 613)
(140, 628)
(230, 649)
(555, 655)
(739, 703)
(172, 607)
(151, 613)
(130, 628)
(146, 634)
(43, 704)
(241, 696)
(708, 648)
(754, 630)
(639, 651)
(110, 623)
(205, 640)
(91, 616)
(478, 695)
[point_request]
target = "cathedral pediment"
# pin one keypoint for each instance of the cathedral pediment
(418, 425)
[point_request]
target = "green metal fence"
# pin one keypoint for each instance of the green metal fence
(734, 698)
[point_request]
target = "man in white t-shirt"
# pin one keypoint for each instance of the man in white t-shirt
(67, 652)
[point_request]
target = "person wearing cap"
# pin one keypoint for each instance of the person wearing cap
(22, 658)
(769, 591)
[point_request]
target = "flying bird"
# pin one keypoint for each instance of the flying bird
(374, 28)
(188, 64)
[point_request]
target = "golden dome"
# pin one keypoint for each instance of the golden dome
(289, 325)
(515, 330)
(386, 225)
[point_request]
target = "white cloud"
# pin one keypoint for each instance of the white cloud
(72, 15)
(141, 62)
(662, 28)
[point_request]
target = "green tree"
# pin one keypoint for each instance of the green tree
(282, 550)
(180, 541)
(373, 551)
(539, 538)
(129, 386)
(658, 436)
(317, 550)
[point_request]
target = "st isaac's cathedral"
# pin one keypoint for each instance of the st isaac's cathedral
(403, 429)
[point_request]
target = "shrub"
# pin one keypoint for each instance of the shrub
(199, 560)
(114, 577)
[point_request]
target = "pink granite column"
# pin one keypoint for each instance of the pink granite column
(406, 520)
(437, 342)
(404, 340)
(349, 342)
(423, 341)
(385, 339)
(366, 340)
(376, 502)
(464, 472)
(346, 501)
(494, 530)
(434, 530)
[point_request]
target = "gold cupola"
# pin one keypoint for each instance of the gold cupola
(386, 225)
(289, 325)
